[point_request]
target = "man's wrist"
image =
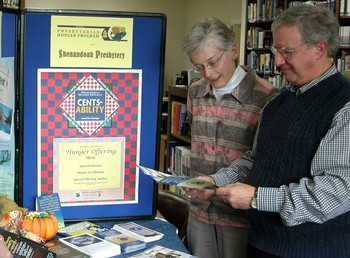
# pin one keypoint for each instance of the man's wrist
(253, 201)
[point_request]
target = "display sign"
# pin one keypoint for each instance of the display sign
(8, 106)
(87, 124)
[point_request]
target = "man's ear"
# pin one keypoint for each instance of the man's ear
(321, 48)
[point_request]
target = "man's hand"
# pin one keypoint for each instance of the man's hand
(238, 195)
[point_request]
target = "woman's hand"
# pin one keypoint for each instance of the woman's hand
(4, 251)
(202, 194)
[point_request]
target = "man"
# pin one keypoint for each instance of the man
(223, 109)
(295, 183)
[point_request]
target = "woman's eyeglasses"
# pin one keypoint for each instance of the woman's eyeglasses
(209, 65)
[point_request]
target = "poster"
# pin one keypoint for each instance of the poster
(88, 133)
(7, 135)
(78, 41)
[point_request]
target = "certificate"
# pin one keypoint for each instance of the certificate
(88, 169)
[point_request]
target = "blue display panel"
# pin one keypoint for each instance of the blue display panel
(84, 129)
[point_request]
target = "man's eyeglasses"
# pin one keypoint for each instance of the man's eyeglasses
(286, 52)
(209, 65)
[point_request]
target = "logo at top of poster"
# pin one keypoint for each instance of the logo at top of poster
(115, 33)
(89, 105)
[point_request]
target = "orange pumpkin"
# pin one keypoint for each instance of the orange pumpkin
(43, 224)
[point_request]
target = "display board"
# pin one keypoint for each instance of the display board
(91, 87)
(8, 75)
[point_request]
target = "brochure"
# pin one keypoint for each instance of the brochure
(181, 181)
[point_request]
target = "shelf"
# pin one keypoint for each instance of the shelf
(182, 138)
(179, 91)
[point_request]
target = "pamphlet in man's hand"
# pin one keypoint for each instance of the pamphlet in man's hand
(181, 181)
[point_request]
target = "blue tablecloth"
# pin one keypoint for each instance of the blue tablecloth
(170, 239)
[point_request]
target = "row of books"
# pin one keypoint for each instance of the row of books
(258, 37)
(178, 117)
(274, 79)
(11, 3)
(267, 10)
(344, 8)
(327, 4)
(181, 160)
(343, 63)
(264, 10)
(344, 35)
(179, 163)
(263, 63)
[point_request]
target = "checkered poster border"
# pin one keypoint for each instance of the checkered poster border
(56, 85)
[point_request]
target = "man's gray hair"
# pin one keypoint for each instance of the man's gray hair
(314, 24)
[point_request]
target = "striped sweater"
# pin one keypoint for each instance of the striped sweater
(222, 131)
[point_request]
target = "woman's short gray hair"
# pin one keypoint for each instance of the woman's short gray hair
(208, 32)
(314, 24)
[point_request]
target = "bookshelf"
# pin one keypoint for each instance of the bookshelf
(258, 38)
(342, 11)
(179, 136)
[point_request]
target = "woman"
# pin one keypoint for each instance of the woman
(223, 109)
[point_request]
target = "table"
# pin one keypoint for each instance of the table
(169, 240)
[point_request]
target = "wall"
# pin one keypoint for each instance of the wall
(181, 15)
(229, 11)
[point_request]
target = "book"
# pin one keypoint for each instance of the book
(346, 70)
(181, 181)
(92, 245)
(81, 227)
(51, 203)
(126, 242)
(180, 153)
(138, 231)
(22, 247)
(176, 112)
(159, 251)
(64, 251)
(183, 113)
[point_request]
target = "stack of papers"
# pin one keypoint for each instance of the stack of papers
(127, 243)
(81, 227)
(139, 232)
(161, 251)
(92, 245)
